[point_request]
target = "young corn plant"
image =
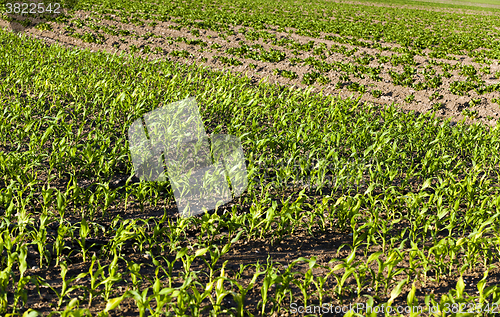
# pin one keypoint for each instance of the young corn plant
(485, 292)
(39, 237)
(390, 263)
(21, 291)
(142, 300)
(92, 290)
(84, 231)
(199, 297)
(271, 278)
(60, 245)
(349, 267)
(220, 292)
(126, 231)
(112, 278)
(65, 288)
(308, 279)
(183, 297)
(170, 265)
(157, 287)
(216, 254)
(73, 310)
(240, 296)
(134, 269)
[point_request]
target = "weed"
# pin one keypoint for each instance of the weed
(410, 98)
(376, 93)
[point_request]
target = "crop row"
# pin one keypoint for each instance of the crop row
(440, 37)
(405, 79)
(408, 27)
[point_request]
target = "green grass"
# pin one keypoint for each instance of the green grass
(440, 4)
(467, 2)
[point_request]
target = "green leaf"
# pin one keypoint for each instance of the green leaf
(73, 302)
(31, 313)
(113, 303)
(238, 235)
(156, 286)
(82, 275)
(426, 184)
(442, 212)
(84, 228)
(225, 249)
(347, 274)
(339, 267)
(411, 295)
(23, 265)
(373, 257)
(46, 135)
(201, 252)
(351, 257)
(460, 287)
(395, 292)
(370, 189)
